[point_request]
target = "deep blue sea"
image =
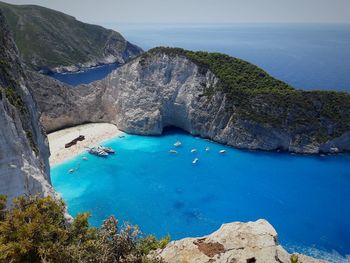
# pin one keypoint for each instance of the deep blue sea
(86, 76)
(305, 198)
(305, 56)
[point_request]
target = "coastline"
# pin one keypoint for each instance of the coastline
(94, 134)
(76, 69)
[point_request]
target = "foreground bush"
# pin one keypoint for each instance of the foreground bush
(34, 230)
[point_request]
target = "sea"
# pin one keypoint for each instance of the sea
(306, 198)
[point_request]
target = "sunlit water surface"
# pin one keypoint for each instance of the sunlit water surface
(306, 198)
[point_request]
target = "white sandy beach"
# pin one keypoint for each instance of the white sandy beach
(94, 134)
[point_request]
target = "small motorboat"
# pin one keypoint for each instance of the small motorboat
(177, 144)
(173, 151)
(121, 136)
(106, 149)
(222, 151)
(71, 171)
(195, 160)
(193, 150)
(84, 158)
(207, 149)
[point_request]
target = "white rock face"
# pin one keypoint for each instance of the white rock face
(161, 90)
(158, 90)
(24, 151)
(233, 243)
(21, 171)
(147, 98)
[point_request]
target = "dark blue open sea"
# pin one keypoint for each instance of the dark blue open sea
(306, 198)
(305, 56)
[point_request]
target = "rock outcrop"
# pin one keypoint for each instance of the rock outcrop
(51, 41)
(160, 89)
(24, 152)
(233, 243)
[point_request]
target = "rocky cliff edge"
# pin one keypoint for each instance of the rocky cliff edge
(24, 152)
(233, 243)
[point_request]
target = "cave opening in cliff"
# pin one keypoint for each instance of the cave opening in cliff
(167, 130)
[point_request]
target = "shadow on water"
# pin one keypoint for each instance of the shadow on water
(171, 130)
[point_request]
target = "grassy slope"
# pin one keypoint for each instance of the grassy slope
(258, 96)
(49, 38)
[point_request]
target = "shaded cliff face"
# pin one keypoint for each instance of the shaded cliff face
(172, 88)
(63, 106)
(24, 152)
(51, 40)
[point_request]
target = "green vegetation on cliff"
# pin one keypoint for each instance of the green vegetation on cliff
(14, 99)
(234, 74)
(252, 94)
(47, 38)
(35, 230)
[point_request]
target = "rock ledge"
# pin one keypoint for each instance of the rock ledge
(235, 242)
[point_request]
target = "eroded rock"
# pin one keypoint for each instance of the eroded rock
(24, 152)
(235, 243)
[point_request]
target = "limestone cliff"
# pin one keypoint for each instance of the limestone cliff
(24, 151)
(233, 243)
(168, 88)
(162, 89)
(64, 106)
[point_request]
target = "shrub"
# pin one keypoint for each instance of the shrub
(34, 230)
(294, 258)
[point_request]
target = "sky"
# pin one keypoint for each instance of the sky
(200, 11)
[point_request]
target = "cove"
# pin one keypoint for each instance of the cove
(306, 198)
(85, 77)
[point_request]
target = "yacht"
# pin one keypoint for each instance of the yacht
(106, 149)
(177, 144)
(98, 152)
(195, 160)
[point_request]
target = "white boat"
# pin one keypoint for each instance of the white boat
(177, 144)
(71, 171)
(84, 158)
(106, 149)
(207, 148)
(195, 160)
(193, 150)
(98, 152)
(222, 151)
(173, 151)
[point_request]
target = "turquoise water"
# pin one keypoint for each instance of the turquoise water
(305, 198)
